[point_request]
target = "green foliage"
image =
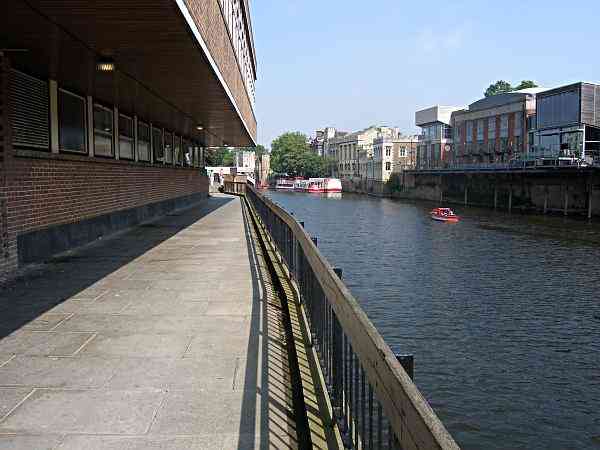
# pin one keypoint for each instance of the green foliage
(219, 157)
(501, 87)
(291, 154)
(526, 84)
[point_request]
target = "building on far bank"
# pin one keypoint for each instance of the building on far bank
(262, 170)
(391, 154)
(494, 129)
(320, 144)
(245, 159)
(567, 123)
(435, 141)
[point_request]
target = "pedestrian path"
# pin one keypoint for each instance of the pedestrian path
(170, 335)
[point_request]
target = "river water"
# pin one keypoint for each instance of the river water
(501, 312)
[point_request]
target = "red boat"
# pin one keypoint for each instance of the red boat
(444, 215)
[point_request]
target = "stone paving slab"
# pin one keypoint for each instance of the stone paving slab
(156, 339)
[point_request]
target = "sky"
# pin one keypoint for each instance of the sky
(354, 63)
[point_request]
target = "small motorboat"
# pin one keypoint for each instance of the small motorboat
(444, 215)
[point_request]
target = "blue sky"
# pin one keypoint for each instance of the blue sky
(354, 63)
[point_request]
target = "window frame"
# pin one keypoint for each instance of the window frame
(133, 132)
(159, 142)
(112, 140)
(168, 142)
(149, 141)
(85, 122)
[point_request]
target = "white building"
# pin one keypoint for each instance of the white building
(243, 159)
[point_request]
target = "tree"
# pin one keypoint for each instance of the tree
(526, 84)
(219, 157)
(291, 154)
(499, 87)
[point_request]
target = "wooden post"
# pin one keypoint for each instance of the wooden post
(545, 199)
(590, 195)
(510, 199)
(566, 208)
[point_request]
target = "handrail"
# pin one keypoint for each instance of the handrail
(375, 402)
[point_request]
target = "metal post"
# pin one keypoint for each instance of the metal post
(566, 208)
(510, 199)
(495, 196)
(545, 199)
(408, 363)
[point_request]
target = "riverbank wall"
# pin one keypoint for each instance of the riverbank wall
(562, 191)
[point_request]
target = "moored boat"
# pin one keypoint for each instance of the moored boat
(284, 184)
(324, 185)
(444, 215)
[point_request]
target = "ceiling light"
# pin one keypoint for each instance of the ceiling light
(105, 64)
(199, 127)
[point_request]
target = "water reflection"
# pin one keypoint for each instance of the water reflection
(502, 312)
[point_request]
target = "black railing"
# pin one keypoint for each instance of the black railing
(374, 402)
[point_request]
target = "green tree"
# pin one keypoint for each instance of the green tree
(499, 87)
(291, 154)
(219, 157)
(526, 84)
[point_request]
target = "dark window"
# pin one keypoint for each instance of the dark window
(103, 131)
(143, 143)
(126, 137)
(71, 122)
(558, 109)
(157, 145)
(388, 166)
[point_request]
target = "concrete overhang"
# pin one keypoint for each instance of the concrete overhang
(164, 71)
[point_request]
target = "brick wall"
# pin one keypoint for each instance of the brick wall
(209, 19)
(8, 244)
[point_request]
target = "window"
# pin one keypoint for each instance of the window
(71, 122)
(177, 156)
(188, 153)
(469, 131)
(388, 151)
(492, 128)
(143, 143)
(558, 109)
(157, 145)
(402, 152)
(388, 166)
(480, 130)
(126, 150)
(504, 126)
(518, 124)
(103, 131)
(168, 147)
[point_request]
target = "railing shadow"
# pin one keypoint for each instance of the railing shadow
(77, 274)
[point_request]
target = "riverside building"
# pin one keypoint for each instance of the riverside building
(494, 129)
(105, 111)
(392, 154)
(435, 140)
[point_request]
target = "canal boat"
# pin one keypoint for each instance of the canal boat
(284, 184)
(444, 215)
(324, 185)
(301, 185)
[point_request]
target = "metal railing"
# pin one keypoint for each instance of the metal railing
(374, 401)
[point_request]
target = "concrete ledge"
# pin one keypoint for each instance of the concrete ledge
(40, 245)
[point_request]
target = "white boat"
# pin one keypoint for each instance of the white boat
(324, 185)
(284, 184)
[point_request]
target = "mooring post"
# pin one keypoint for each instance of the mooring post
(510, 199)
(566, 208)
(590, 196)
(495, 195)
(545, 199)
(408, 363)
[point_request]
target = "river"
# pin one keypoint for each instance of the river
(502, 312)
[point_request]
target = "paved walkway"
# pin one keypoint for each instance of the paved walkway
(167, 336)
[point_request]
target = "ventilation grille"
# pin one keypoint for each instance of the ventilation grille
(28, 111)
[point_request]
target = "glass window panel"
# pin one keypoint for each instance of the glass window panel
(492, 128)
(504, 125)
(518, 124)
(103, 131)
(168, 147)
(480, 130)
(143, 146)
(157, 145)
(469, 131)
(71, 122)
(177, 150)
(125, 137)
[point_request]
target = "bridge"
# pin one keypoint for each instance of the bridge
(217, 326)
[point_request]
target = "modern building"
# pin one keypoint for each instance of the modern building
(435, 141)
(494, 129)
(567, 123)
(104, 110)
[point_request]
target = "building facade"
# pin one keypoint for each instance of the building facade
(567, 124)
(244, 159)
(102, 130)
(494, 129)
(391, 154)
(435, 141)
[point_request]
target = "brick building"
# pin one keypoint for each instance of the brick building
(104, 112)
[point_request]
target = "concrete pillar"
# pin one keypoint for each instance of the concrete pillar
(545, 199)
(566, 208)
(510, 190)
